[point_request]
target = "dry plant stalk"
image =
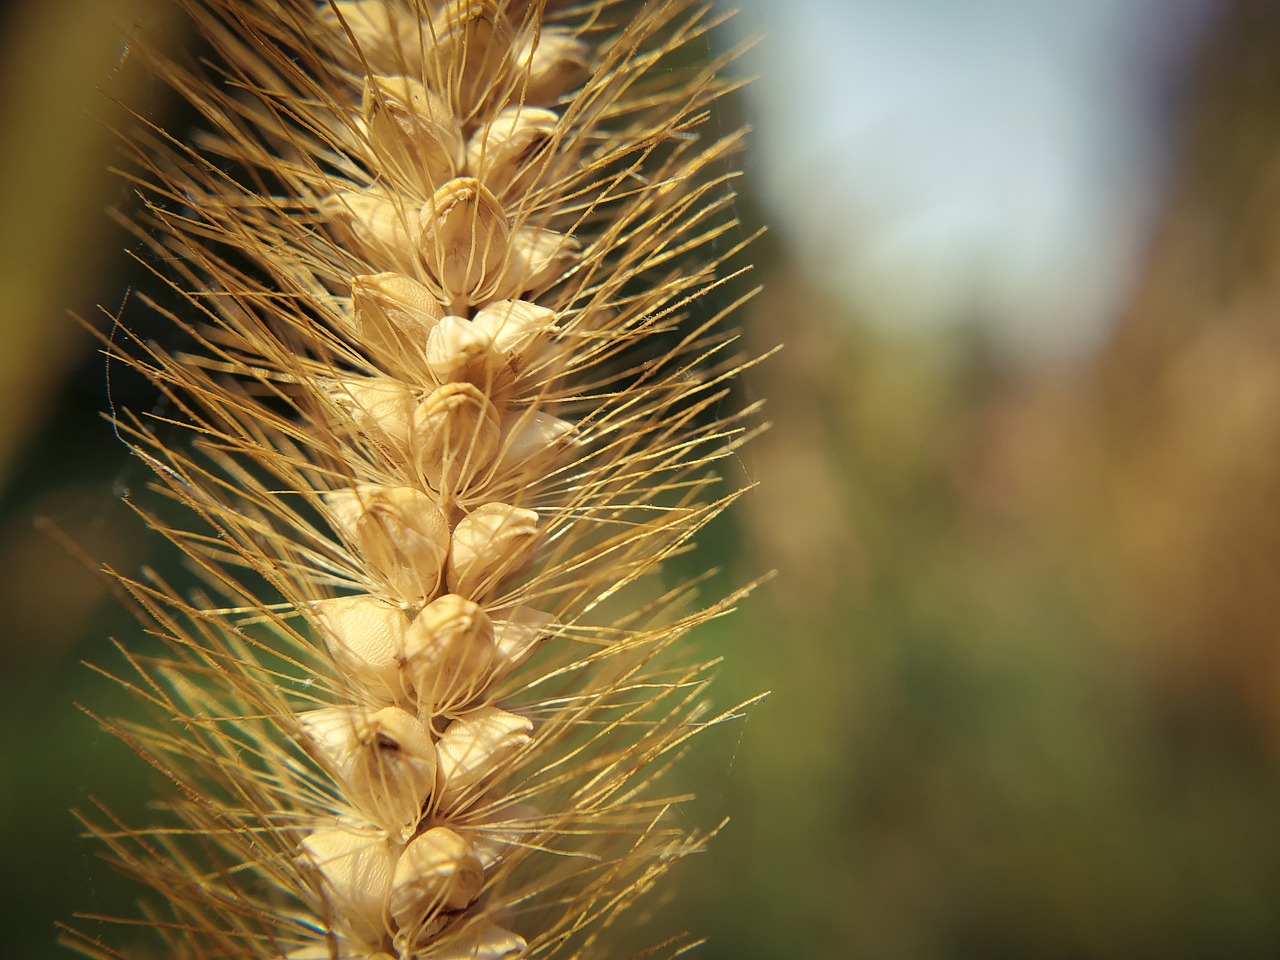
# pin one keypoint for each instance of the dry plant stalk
(448, 413)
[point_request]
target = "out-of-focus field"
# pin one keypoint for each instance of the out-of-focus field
(1024, 641)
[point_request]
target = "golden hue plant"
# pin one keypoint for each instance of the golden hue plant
(447, 409)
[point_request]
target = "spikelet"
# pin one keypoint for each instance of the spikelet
(445, 416)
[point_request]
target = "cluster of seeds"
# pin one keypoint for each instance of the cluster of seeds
(455, 119)
(435, 262)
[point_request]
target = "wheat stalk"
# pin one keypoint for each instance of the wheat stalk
(444, 415)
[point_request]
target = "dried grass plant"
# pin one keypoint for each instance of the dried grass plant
(448, 407)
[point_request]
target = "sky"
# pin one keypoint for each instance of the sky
(935, 162)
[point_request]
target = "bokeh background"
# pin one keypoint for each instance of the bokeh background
(1022, 486)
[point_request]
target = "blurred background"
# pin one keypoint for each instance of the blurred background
(1022, 487)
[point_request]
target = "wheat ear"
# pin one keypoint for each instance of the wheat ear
(445, 413)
